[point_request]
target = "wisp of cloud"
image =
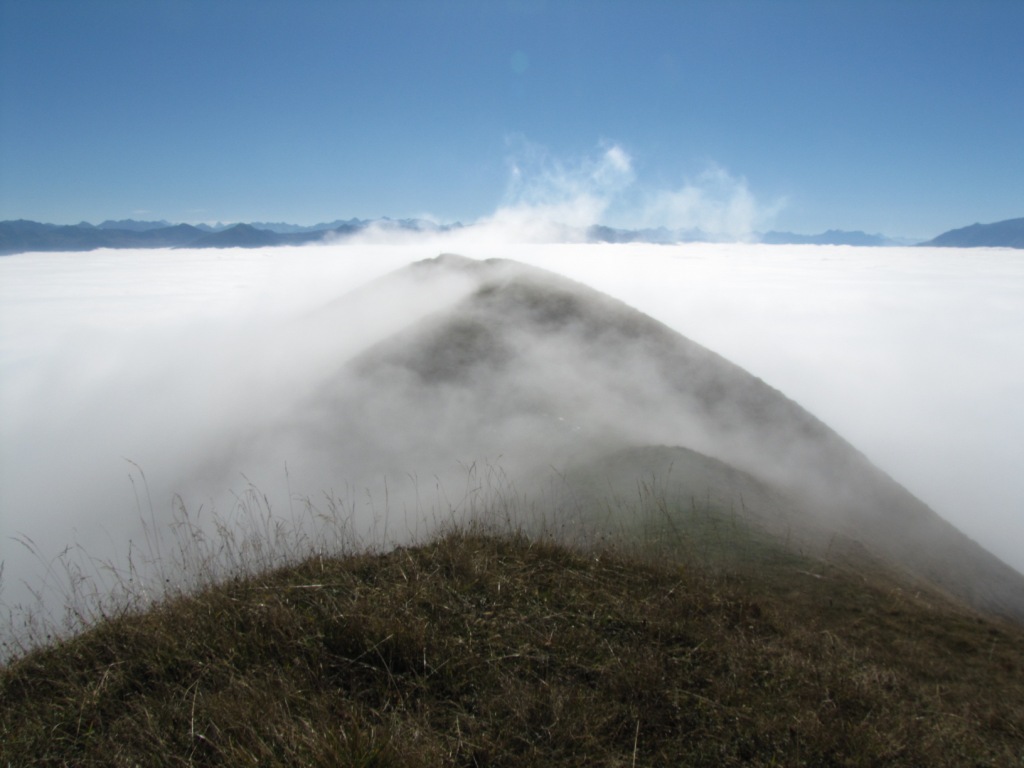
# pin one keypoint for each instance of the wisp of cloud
(550, 199)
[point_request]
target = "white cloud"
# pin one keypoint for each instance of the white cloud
(162, 356)
(716, 203)
(549, 199)
(908, 353)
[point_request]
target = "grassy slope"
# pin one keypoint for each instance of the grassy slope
(501, 650)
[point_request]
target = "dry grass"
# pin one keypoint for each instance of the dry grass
(501, 649)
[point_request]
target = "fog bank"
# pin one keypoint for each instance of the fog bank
(157, 357)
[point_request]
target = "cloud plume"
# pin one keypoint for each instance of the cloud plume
(552, 199)
(715, 203)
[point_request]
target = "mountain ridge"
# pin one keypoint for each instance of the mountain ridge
(544, 372)
(830, 237)
(1008, 233)
(22, 235)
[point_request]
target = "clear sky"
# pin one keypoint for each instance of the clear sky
(902, 117)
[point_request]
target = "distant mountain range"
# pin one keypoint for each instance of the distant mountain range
(21, 235)
(1001, 234)
(831, 237)
(601, 234)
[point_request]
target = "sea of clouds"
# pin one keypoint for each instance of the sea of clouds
(912, 354)
(116, 363)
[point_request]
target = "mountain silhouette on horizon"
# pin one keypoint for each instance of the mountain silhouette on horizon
(831, 237)
(21, 236)
(24, 236)
(1001, 234)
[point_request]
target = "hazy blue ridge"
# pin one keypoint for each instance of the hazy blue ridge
(240, 235)
(831, 237)
(285, 228)
(1001, 234)
(132, 225)
(602, 234)
(21, 236)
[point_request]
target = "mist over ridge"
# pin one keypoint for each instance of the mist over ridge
(544, 373)
(262, 335)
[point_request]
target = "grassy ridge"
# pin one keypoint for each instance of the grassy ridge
(479, 649)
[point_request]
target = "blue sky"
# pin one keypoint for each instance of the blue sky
(898, 117)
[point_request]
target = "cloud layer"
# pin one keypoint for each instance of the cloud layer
(161, 357)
